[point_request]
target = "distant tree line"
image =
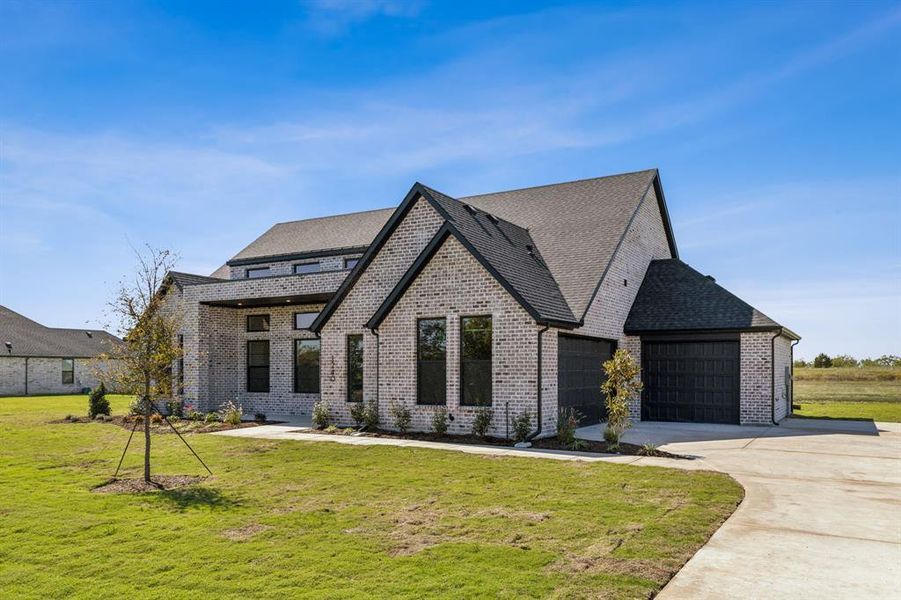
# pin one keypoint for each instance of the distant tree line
(824, 361)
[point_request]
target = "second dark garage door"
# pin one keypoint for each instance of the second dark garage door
(579, 376)
(690, 381)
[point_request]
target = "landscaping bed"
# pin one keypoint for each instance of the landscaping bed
(160, 426)
(549, 443)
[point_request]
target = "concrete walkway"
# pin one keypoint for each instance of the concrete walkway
(821, 515)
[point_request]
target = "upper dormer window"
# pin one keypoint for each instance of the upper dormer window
(256, 272)
(350, 263)
(308, 267)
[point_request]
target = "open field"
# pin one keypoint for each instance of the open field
(849, 393)
(290, 519)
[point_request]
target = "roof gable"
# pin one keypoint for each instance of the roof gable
(675, 297)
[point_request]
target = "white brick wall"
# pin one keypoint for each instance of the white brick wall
(45, 376)
(782, 361)
(756, 382)
(286, 267)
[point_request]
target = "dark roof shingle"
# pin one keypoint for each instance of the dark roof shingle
(30, 338)
(675, 297)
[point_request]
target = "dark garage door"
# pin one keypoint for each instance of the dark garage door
(579, 376)
(690, 381)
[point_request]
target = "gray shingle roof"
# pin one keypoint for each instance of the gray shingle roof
(575, 226)
(675, 297)
(183, 279)
(513, 254)
(30, 338)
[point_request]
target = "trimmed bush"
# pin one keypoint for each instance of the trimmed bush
(481, 422)
(259, 417)
(371, 415)
(522, 426)
(358, 413)
(439, 421)
(175, 407)
(402, 417)
(231, 413)
(211, 417)
(320, 415)
(97, 402)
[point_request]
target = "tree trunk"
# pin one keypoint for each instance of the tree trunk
(147, 434)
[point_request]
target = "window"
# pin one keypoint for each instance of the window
(258, 366)
(257, 272)
(306, 366)
(310, 267)
(303, 320)
(257, 322)
(431, 361)
(475, 361)
(181, 365)
(355, 368)
(68, 370)
(350, 263)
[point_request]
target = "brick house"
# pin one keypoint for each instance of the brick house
(35, 359)
(510, 300)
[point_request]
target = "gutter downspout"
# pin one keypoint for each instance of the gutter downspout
(538, 430)
(791, 401)
(773, 375)
(378, 343)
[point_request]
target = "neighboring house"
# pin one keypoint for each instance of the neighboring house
(35, 359)
(511, 299)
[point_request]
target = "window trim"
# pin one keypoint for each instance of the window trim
(71, 371)
(268, 323)
(303, 312)
(318, 263)
(347, 366)
(461, 359)
(356, 262)
(319, 378)
(418, 397)
(247, 367)
(249, 269)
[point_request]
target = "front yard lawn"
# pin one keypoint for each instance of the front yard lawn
(879, 400)
(323, 520)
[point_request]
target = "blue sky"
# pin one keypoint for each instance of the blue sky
(195, 126)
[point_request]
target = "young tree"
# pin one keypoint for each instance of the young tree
(822, 361)
(142, 364)
(621, 386)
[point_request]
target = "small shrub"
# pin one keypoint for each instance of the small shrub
(231, 413)
(567, 422)
(194, 415)
(481, 422)
(174, 419)
(439, 421)
(320, 415)
(156, 418)
(648, 449)
(331, 429)
(259, 417)
(358, 413)
(211, 417)
(622, 385)
(69, 418)
(402, 417)
(136, 407)
(347, 430)
(175, 407)
(522, 426)
(611, 436)
(371, 415)
(97, 402)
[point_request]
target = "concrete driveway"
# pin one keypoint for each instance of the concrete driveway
(822, 512)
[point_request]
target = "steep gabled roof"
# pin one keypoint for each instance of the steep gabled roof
(30, 338)
(504, 249)
(675, 297)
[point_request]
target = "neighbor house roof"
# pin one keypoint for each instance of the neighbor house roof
(675, 297)
(20, 336)
(506, 250)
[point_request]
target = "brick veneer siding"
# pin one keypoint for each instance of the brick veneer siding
(399, 251)
(756, 381)
(451, 286)
(45, 376)
(286, 267)
(782, 354)
(644, 241)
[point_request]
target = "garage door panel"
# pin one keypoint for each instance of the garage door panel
(580, 375)
(691, 381)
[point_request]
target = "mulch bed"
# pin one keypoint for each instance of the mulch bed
(158, 483)
(183, 425)
(551, 443)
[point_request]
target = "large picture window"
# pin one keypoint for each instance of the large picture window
(475, 361)
(306, 366)
(355, 368)
(258, 366)
(431, 361)
(68, 370)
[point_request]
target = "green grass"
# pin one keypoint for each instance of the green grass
(858, 396)
(325, 520)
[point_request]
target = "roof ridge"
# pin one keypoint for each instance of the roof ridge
(536, 187)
